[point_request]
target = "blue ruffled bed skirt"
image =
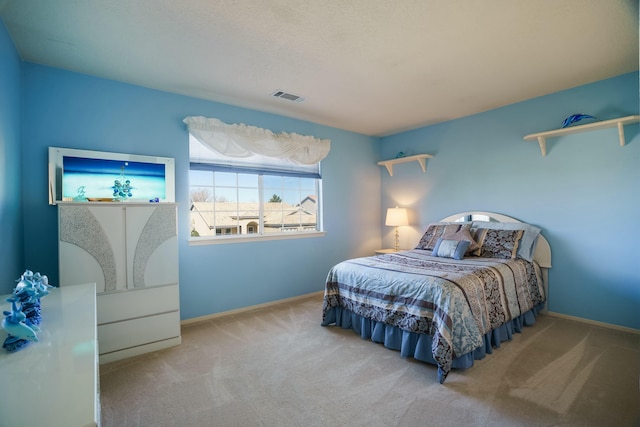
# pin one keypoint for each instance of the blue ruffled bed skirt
(418, 346)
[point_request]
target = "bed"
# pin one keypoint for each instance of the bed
(473, 280)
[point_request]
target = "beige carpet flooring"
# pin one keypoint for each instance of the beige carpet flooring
(278, 367)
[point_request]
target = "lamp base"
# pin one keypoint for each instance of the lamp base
(397, 246)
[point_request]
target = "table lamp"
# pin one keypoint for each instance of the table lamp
(395, 218)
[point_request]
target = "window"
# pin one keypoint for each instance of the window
(251, 196)
(245, 180)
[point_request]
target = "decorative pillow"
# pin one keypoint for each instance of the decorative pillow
(464, 233)
(437, 230)
(498, 243)
(450, 248)
(527, 245)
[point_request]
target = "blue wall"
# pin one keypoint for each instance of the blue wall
(11, 250)
(585, 194)
(72, 110)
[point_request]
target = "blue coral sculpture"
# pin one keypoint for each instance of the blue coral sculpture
(19, 332)
(21, 323)
(122, 186)
(575, 118)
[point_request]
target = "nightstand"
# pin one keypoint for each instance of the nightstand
(387, 251)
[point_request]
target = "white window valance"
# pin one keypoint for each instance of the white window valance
(240, 140)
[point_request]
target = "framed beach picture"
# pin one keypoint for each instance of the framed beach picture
(96, 176)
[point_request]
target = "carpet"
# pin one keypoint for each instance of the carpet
(277, 366)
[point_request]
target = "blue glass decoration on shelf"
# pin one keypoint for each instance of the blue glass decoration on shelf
(575, 118)
(21, 323)
(122, 186)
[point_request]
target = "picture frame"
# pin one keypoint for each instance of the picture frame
(99, 176)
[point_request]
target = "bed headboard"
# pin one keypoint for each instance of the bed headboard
(543, 251)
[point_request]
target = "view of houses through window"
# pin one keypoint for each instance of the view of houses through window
(244, 203)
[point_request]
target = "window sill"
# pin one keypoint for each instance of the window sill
(202, 241)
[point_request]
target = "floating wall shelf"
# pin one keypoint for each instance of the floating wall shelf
(420, 158)
(619, 123)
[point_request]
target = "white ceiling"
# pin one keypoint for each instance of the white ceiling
(375, 67)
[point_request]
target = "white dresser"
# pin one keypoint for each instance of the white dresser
(54, 382)
(130, 250)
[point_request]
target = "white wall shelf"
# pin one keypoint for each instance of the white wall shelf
(541, 137)
(420, 158)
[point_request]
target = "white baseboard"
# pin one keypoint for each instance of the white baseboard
(246, 309)
(300, 297)
(594, 322)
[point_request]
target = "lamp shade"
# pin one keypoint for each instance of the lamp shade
(397, 216)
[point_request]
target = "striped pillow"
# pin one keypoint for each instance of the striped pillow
(450, 248)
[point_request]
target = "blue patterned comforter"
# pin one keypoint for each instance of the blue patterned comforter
(455, 301)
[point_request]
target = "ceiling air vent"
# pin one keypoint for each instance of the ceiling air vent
(287, 96)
